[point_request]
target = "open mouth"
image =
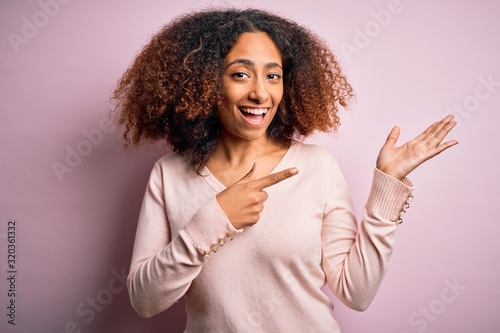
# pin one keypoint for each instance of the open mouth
(254, 114)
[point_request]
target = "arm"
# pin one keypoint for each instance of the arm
(163, 267)
(355, 262)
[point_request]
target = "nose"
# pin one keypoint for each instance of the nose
(258, 92)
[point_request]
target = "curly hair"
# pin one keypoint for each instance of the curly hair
(173, 89)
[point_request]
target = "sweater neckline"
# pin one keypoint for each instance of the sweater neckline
(219, 187)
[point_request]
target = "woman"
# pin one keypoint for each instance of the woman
(243, 219)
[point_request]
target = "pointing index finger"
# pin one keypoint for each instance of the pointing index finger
(275, 178)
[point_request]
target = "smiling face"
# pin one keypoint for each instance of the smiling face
(252, 87)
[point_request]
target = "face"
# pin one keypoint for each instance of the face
(252, 87)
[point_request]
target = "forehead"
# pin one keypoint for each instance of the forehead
(255, 46)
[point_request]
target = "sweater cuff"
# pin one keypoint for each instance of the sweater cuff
(389, 198)
(209, 229)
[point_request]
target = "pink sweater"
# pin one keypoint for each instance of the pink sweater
(268, 277)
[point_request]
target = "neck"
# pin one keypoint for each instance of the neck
(241, 152)
(233, 158)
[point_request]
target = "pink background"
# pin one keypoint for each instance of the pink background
(75, 232)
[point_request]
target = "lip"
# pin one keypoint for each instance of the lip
(256, 111)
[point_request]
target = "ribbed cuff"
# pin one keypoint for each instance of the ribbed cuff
(388, 196)
(209, 228)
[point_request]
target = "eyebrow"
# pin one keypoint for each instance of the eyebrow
(251, 63)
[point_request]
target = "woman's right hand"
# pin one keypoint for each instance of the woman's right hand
(243, 201)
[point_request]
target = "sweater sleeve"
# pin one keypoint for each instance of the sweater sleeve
(163, 266)
(355, 261)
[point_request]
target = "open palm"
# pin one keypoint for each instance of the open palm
(400, 161)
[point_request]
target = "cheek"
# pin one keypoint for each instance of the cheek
(231, 92)
(277, 94)
(225, 113)
(234, 94)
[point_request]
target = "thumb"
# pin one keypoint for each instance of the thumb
(392, 138)
(249, 176)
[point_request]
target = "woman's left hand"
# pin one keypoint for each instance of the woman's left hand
(398, 162)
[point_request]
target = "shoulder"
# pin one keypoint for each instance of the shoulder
(315, 161)
(173, 163)
(171, 159)
(313, 153)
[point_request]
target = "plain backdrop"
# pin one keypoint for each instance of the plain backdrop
(75, 194)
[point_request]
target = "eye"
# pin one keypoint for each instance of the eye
(274, 76)
(239, 75)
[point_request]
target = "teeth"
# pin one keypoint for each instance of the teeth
(254, 111)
